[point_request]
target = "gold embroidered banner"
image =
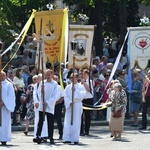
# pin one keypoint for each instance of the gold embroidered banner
(53, 33)
(82, 35)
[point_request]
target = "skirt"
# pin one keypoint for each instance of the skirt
(116, 124)
(133, 107)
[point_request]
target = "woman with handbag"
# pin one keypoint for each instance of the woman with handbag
(30, 104)
(118, 109)
(135, 98)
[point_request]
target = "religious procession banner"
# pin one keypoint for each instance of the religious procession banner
(80, 45)
(139, 47)
(54, 26)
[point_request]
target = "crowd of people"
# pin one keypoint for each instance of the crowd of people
(39, 99)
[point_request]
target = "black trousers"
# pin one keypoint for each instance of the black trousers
(146, 105)
(57, 117)
(50, 124)
(86, 116)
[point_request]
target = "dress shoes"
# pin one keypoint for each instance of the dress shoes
(26, 132)
(3, 143)
(35, 140)
(51, 141)
(67, 142)
(39, 140)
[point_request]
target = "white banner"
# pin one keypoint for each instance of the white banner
(82, 35)
(139, 46)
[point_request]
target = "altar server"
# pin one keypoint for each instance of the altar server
(72, 131)
(7, 105)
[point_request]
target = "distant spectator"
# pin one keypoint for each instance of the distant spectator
(134, 106)
(96, 62)
(110, 66)
(105, 50)
(25, 74)
(33, 71)
(26, 59)
(20, 86)
(103, 63)
(103, 72)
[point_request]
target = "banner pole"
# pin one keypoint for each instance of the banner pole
(41, 57)
(72, 89)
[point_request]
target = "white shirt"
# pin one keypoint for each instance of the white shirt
(89, 94)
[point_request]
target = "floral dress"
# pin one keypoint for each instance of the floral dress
(30, 106)
(119, 101)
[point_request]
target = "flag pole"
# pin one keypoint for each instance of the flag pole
(72, 89)
(73, 48)
(41, 57)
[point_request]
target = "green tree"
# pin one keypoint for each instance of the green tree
(110, 17)
(15, 13)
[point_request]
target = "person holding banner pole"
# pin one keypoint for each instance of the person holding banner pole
(71, 132)
(50, 97)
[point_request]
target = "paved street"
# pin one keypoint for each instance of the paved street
(99, 138)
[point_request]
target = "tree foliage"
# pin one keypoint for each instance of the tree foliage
(105, 14)
(111, 17)
(15, 13)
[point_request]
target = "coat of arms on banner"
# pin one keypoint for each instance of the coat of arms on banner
(82, 35)
(49, 33)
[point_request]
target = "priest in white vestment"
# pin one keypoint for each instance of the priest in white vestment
(7, 105)
(71, 133)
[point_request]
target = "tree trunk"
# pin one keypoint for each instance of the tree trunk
(96, 19)
(123, 19)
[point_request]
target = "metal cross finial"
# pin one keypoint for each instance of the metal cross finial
(50, 6)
